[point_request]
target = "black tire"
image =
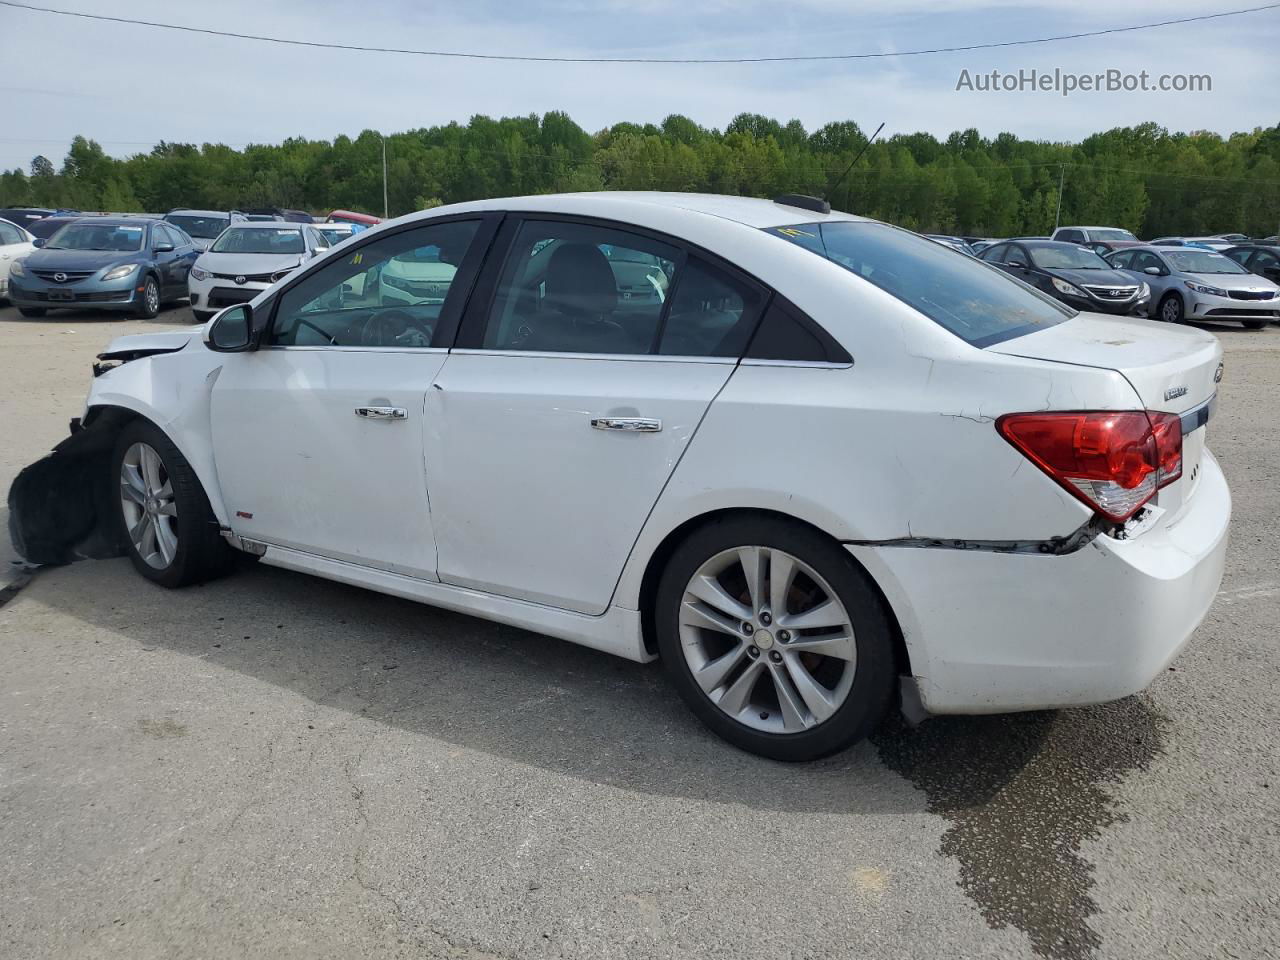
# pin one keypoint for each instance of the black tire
(1255, 324)
(1171, 309)
(34, 313)
(148, 308)
(201, 316)
(873, 681)
(202, 553)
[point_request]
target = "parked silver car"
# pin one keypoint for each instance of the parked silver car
(1189, 283)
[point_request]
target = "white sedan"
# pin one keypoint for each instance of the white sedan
(817, 464)
(15, 243)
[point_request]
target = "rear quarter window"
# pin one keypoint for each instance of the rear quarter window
(976, 302)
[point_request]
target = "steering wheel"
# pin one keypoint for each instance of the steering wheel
(383, 329)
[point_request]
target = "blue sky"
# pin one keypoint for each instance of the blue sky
(130, 86)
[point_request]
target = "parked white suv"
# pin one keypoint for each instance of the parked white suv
(820, 463)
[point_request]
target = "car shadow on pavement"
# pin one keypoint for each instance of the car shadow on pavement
(1020, 793)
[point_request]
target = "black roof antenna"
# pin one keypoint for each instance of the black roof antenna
(849, 168)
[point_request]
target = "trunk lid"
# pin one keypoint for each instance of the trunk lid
(1172, 369)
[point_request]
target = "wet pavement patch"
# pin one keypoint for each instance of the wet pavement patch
(1021, 793)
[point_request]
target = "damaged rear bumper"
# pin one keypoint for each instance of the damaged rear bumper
(995, 630)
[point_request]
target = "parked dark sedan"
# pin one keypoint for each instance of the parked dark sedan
(1071, 273)
(1260, 258)
(110, 263)
(25, 216)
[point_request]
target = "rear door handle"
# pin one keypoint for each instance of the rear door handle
(627, 424)
(382, 413)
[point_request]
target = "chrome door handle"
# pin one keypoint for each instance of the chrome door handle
(627, 424)
(382, 413)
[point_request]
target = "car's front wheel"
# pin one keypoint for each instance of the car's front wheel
(201, 316)
(1171, 308)
(774, 638)
(1255, 324)
(148, 305)
(163, 514)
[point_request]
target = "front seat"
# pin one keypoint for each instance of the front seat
(576, 314)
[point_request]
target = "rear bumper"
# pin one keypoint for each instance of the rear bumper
(994, 632)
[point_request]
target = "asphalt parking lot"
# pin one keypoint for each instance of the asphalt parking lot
(274, 765)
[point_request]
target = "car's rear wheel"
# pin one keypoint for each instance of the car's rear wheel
(163, 515)
(774, 638)
(1171, 308)
(35, 313)
(149, 298)
(1255, 324)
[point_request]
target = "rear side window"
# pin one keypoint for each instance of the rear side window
(711, 314)
(976, 302)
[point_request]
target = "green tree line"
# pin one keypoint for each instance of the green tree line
(1143, 178)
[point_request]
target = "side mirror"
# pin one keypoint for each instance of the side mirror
(231, 331)
(1152, 271)
(39, 242)
(164, 246)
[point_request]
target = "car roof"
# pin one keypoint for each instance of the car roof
(627, 205)
(115, 221)
(268, 225)
(184, 211)
(1094, 227)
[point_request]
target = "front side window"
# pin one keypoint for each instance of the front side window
(267, 240)
(1121, 260)
(972, 300)
(389, 293)
(203, 228)
(1071, 236)
(98, 236)
(577, 288)
(9, 234)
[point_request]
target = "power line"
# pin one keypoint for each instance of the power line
(651, 60)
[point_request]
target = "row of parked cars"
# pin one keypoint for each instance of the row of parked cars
(1109, 270)
(138, 263)
(216, 259)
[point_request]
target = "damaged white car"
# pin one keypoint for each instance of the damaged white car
(816, 464)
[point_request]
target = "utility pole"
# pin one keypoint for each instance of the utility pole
(384, 178)
(1062, 174)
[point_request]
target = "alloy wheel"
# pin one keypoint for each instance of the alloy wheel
(767, 639)
(147, 502)
(1171, 312)
(152, 295)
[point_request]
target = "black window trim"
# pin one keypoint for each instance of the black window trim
(446, 327)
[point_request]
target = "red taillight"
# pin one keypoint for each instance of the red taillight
(1114, 461)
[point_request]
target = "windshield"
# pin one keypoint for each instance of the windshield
(334, 235)
(1066, 258)
(1202, 261)
(206, 228)
(259, 240)
(97, 236)
(976, 302)
(1111, 235)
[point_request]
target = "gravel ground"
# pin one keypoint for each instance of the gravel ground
(277, 766)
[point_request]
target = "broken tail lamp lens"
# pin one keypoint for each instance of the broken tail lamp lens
(1113, 461)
